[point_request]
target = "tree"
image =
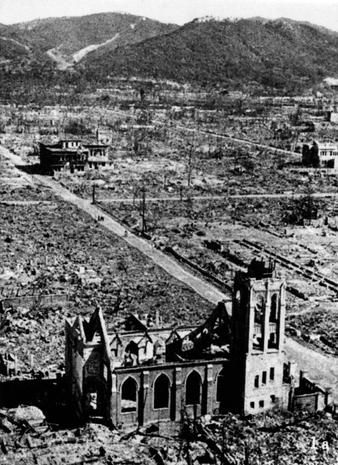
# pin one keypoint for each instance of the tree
(77, 128)
(302, 209)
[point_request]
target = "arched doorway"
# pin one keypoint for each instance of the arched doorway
(161, 392)
(129, 396)
(95, 398)
(193, 389)
(224, 394)
(221, 386)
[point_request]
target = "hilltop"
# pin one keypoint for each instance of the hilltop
(279, 53)
(68, 40)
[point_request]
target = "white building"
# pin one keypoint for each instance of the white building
(328, 154)
(321, 155)
(334, 117)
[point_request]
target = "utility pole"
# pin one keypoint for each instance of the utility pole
(143, 209)
(191, 148)
(223, 442)
(94, 194)
(189, 167)
(181, 193)
(134, 196)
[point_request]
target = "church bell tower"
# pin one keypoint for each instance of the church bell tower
(257, 352)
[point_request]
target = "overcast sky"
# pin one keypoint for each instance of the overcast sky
(323, 12)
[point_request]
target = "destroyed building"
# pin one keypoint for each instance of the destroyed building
(72, 155)
(104, 135)
(97, 155)
(146, 373)
(321, 155)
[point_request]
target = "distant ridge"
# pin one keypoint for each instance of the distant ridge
(280, 54)
(274, 53)
(62, 38)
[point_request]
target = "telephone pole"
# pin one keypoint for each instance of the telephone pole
(189, 166)
(143, 209)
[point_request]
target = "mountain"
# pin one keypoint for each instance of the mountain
(68, 40)
(277, 53)
(80, 52)
(11, 47)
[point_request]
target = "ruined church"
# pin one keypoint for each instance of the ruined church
(147, 373)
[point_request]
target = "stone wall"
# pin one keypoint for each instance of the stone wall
(145, 378)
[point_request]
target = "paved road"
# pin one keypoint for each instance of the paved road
(16, 160)
(285, 195)
(221, 136)
(322, 368)
(238, 140)
(202, 288)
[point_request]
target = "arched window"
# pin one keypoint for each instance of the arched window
(131, 354)
(221, 386)
(93, 390)
(129, 395)
(259, 309)
(193, 389)
(159, 349)
(274, 309)
(161, 392)
(132, 348)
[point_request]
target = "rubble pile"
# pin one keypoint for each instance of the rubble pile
(275, 437)
(37, 338)
(127, 176)
(15, 186)
(56, 251)
(208, 165)
(220, 236)
(188, 224)
(281, 438)
(62, 245)
(25, 438)
(319, 327)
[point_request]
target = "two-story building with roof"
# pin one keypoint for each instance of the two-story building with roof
(72, 155)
